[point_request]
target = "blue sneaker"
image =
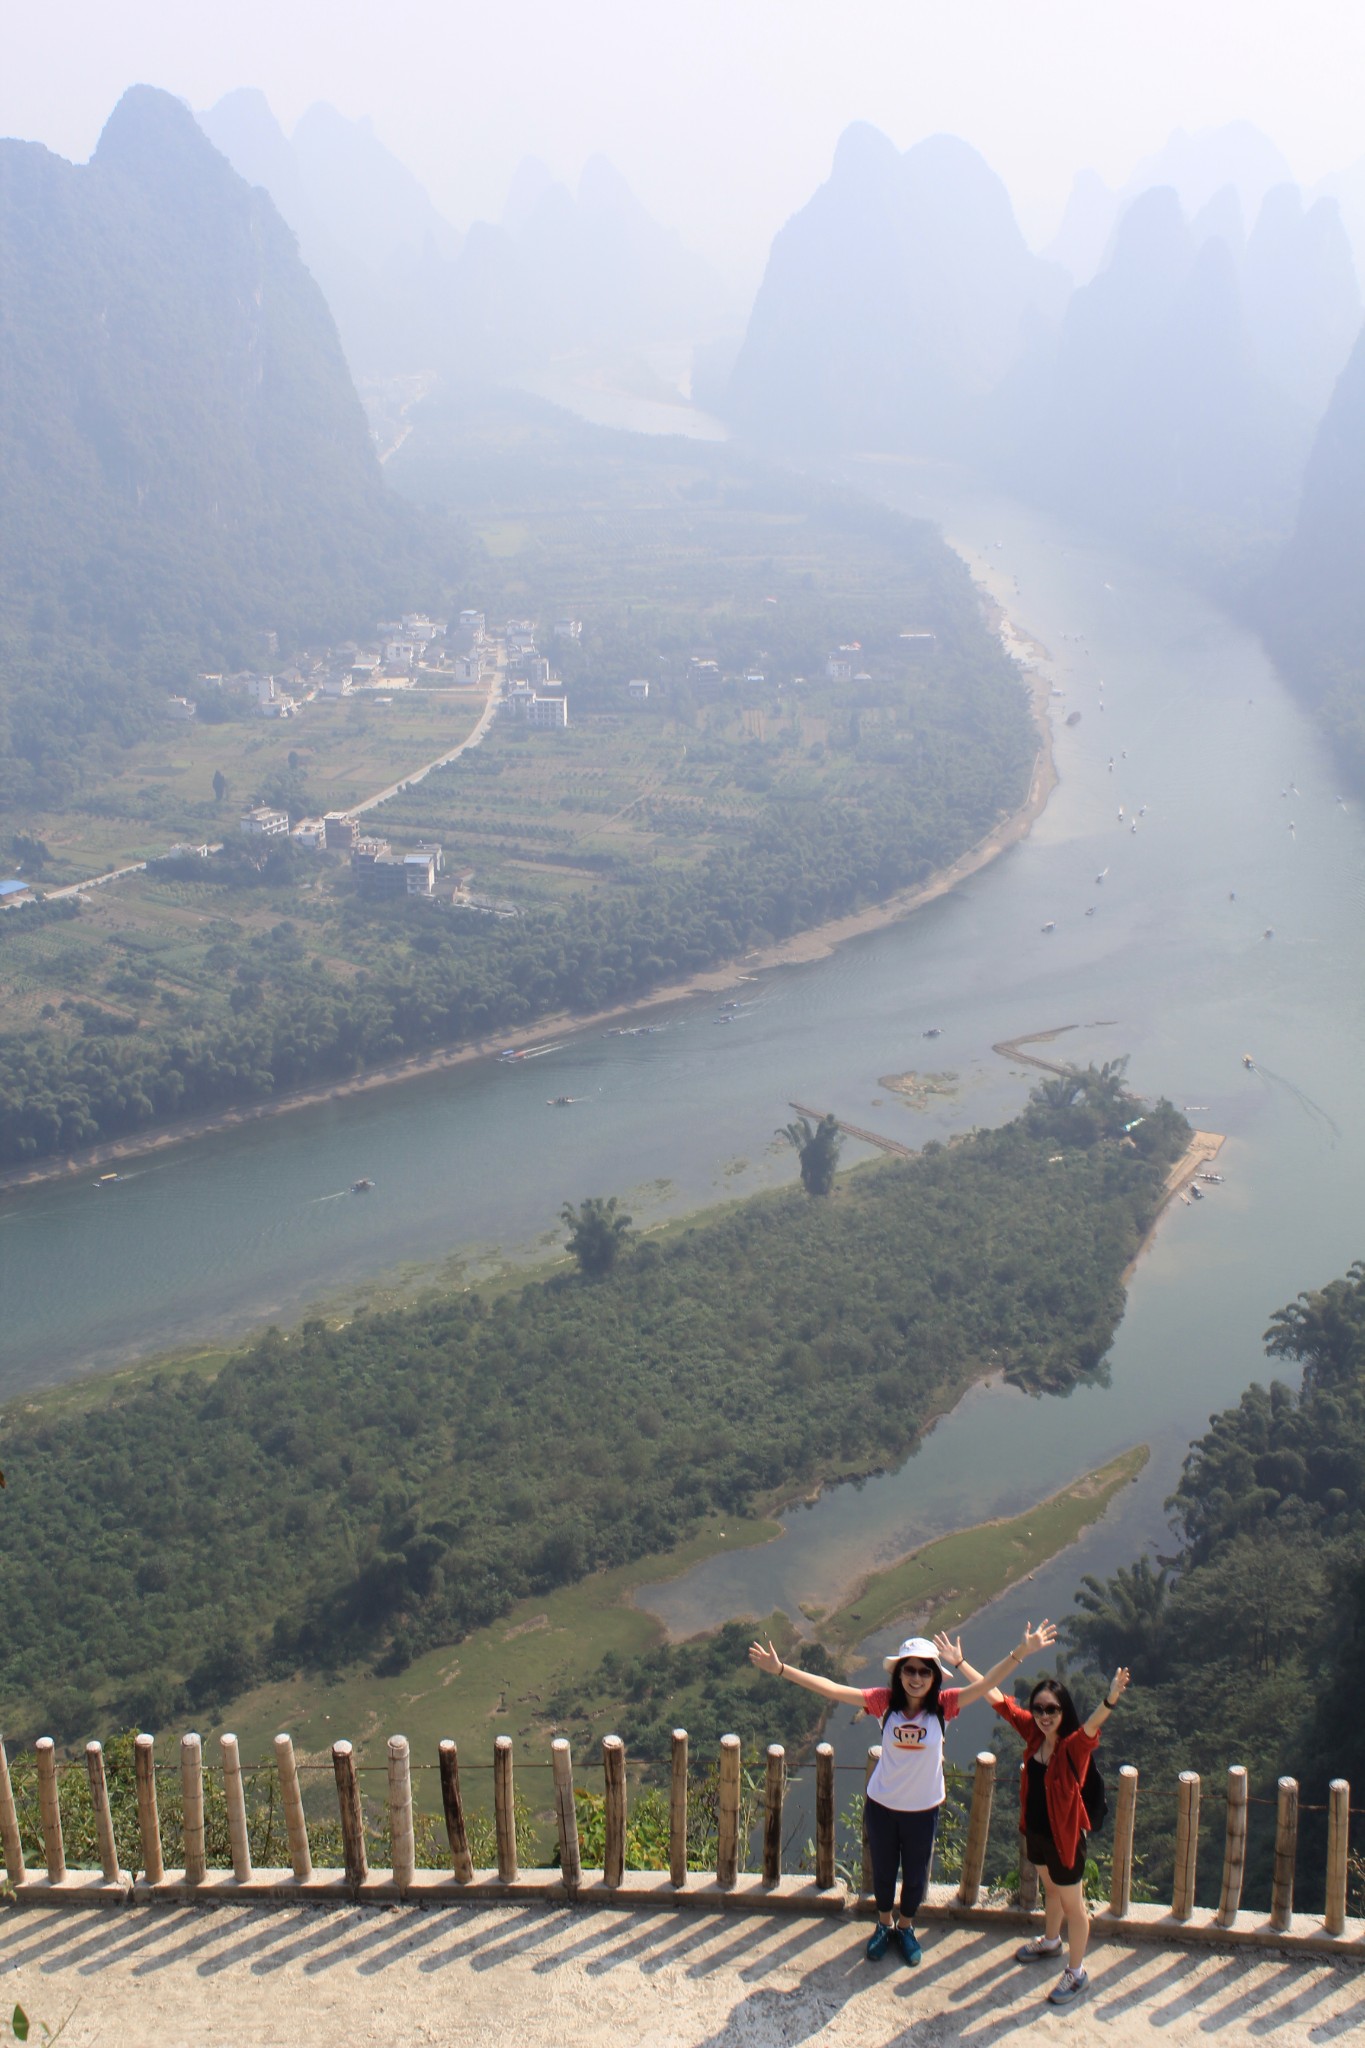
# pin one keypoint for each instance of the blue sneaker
(1069, 1985)
(909, 1945)
(879, 1944)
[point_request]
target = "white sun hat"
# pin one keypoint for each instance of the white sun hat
(913, 1646)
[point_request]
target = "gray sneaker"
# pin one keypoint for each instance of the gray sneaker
(1039, 1950)
(1069, 1985)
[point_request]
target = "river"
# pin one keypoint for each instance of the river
(1240, 833)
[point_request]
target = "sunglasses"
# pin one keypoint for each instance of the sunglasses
(1038, 1712)
(909, 1670)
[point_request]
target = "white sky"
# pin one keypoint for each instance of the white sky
(723, 114)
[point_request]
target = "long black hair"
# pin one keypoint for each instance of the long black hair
(898, 1702)
(1071, 1720)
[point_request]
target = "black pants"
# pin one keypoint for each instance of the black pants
(905, 1840)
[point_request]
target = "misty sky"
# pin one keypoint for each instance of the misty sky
(722, 113)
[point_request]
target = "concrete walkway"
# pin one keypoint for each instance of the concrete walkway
(545, 1977)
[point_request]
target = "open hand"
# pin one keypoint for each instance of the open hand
(1120, 1683)
(765, 1657)
(948, 1650)
(1035, 1639)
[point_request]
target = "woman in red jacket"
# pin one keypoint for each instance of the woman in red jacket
(1058, 1747)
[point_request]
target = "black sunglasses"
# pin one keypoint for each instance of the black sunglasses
(1047, 1710)
(918, 1670)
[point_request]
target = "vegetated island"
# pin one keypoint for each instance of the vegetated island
(389, 1487)
(755, 808)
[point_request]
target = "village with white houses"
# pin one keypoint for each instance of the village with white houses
(416, 653)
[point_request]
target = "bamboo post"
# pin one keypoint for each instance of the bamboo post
(352, 1813)
(1286, 1851)
(148, 1817)
(1121, 1879)
(50, 1808)
(1234, 1849)
(614, 1780)
(235, 1794)
(978, 1828)
(504, 1808)
(727, 1814)
(1338, 1843)
(9, 1825)
(772, 1812)
(824, 1815)
(104, 1819)
(291, 1798)
(192, 1804)
(403, 1845)
(566, 1814)
(1028, 1880)
(677, 1811)
(461, 1862)
(874, 1757)
(1186, 1845)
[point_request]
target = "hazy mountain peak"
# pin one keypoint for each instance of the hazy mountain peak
(863, 152)
(1198, 165)
(148, 129)
(602, 189)
(1080, 242)
(1221, 220)
(531, 181)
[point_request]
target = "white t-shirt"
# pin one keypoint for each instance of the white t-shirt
(909, 1773)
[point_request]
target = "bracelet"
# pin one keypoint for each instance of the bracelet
(781, 1668)
(1111, 1704)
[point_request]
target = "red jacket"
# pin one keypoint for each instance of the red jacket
(1062, 1780)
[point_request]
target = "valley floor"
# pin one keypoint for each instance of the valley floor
(546, 1978)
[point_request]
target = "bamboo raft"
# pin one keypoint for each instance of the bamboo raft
(728, 1889)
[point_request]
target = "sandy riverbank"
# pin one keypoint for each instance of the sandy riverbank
(815, 944)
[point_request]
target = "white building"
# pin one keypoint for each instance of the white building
(547, 711)
(181, 708)
(473, 622)
(839, 668)
(638, 689)
(568, 629)
(264, 823)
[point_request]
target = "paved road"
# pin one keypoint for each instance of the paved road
(415, 775)
(540, 1977)
(95, 882)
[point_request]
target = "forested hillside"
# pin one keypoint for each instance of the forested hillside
(371, 1490)
(1313, 607)
(1249, 1648)
(184, 464)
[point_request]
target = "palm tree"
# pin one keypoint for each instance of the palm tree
(817, 1149)
(597, 1231)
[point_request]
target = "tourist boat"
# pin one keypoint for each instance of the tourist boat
(934, 1031)
(558, 1101)
(361, 1187)
(1051, 925)
(1214, 1179)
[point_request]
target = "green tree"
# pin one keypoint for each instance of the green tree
(817, 1149)
(597, 1231)
(220, 785)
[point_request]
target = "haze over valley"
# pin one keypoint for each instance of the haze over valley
(681, 780)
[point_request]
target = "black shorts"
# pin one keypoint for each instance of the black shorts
(1041, 1850)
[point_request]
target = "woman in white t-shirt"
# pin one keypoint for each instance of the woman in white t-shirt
(906, 1789)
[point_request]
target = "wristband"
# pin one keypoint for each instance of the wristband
(1111, 1704)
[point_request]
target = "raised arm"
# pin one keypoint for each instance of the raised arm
(950, 1651)
(1118, 1686)
(1032, 1641)
(767, 1659)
